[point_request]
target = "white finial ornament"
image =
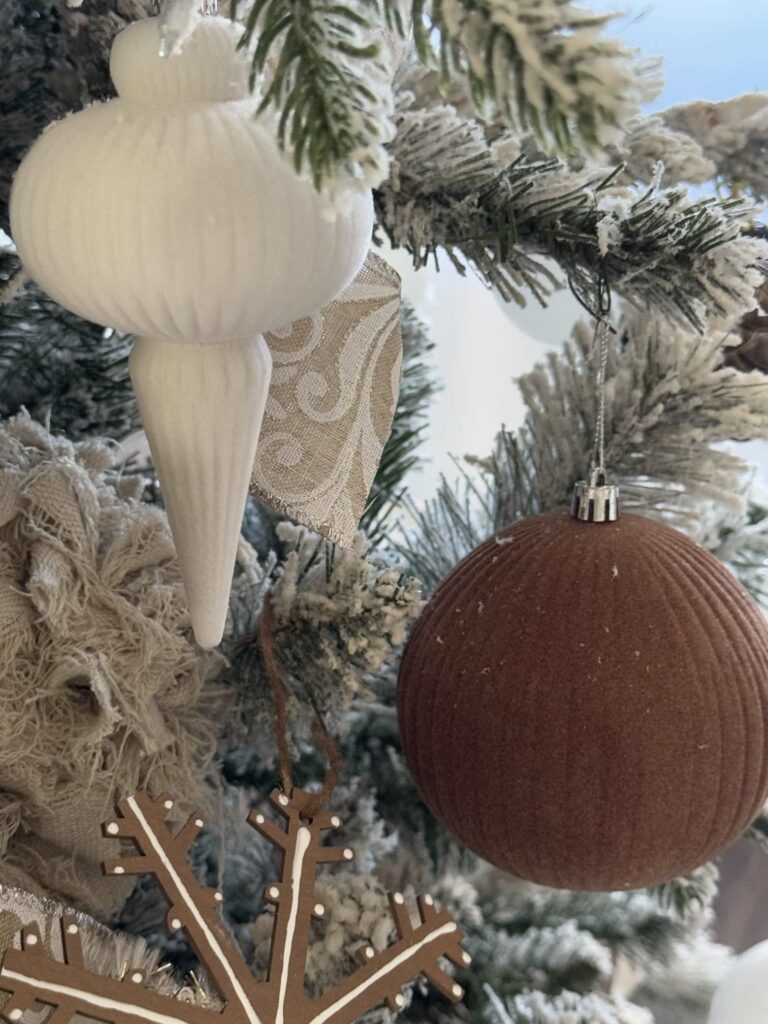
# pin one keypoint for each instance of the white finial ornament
(742, 995)
(169, 213)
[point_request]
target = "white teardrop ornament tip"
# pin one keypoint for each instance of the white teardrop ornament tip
(202, 407)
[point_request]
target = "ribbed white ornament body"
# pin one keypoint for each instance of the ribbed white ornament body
(742, 995)
(169, 213)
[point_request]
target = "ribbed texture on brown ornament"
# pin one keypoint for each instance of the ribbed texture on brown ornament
(585, 705)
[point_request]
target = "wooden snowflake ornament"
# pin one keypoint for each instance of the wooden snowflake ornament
(30, 976)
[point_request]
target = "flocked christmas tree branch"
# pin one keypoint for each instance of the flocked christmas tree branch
(731, 136)
(545, 67)
(457, 187)
(519, 218)
(565, 1008)
(670, 404)
(60, 367)
(322, 67)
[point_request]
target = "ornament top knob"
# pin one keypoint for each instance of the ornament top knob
(595, 500)
(208, 68)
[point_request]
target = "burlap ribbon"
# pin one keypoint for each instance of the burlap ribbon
(335, 384)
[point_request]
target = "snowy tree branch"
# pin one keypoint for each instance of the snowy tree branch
(544, 67)
(670, 403)
(513, 217)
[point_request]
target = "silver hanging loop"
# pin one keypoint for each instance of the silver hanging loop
(596, 500)
(601, 349)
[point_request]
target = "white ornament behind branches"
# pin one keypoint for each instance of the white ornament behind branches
(742, 995)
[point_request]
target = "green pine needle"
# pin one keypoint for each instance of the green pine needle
(539, 66)
(317, 61)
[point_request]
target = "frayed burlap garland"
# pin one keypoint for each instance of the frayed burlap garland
(105, 952)
(102, 689)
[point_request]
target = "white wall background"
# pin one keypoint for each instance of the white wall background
(481, 346)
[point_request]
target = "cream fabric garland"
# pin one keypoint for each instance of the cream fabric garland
(94, 625)
(335, 383)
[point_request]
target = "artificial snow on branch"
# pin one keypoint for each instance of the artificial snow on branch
(646, 927)
(326, 82)
(549, 68)
(480, 201)
(697, 142)
(339, 614)
(688, 979)
(670, 404)
(545, 66)
(733, 134)
(571, 957)
(653, 152)
(565, 1008)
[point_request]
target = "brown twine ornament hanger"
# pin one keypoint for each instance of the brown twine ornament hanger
(323, 739)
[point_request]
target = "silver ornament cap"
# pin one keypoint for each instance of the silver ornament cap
(595, 500)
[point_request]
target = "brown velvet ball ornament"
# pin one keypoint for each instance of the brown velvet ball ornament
(585, 705)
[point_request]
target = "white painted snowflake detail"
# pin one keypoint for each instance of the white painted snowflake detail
(30, 976)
